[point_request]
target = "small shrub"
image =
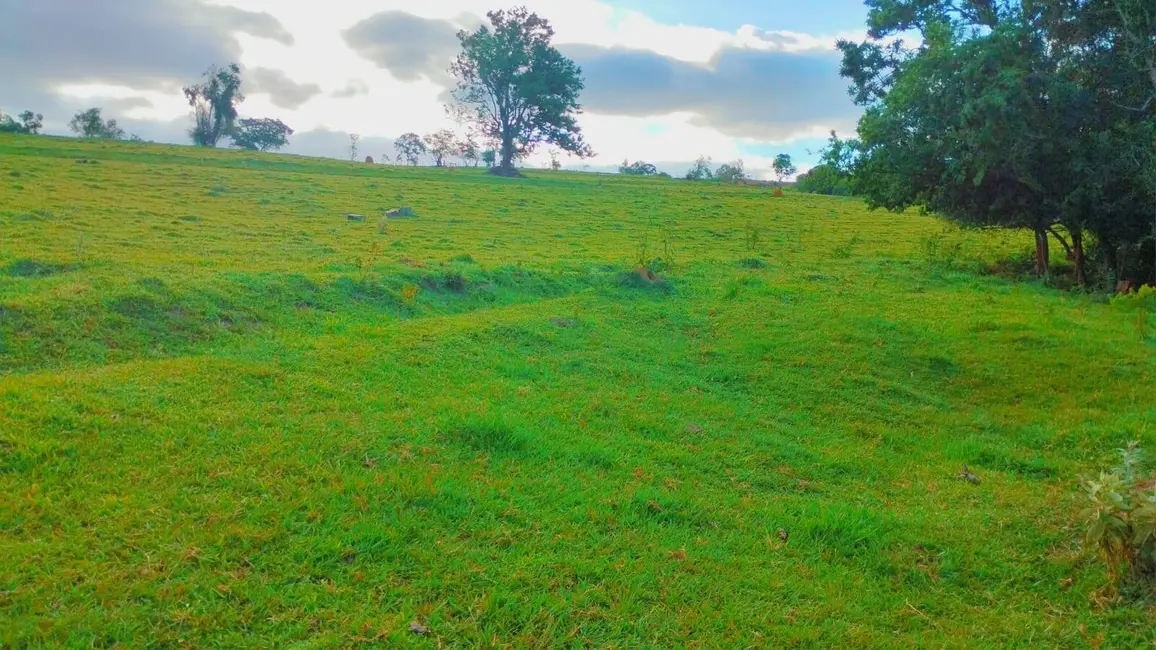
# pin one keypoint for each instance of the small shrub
(778, 193)
(409, 293)
(938, 251)
(454, 281)
(751, 236)
(1121, 521)
(845, 250)
(34, 269)
(1142, 303)
(752, 263)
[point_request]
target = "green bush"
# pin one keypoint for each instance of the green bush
(824, 179)
(1121, 521)
(1142, 303)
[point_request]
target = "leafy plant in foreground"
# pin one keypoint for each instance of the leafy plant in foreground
(1121, 521)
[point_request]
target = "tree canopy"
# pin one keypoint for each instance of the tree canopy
(784, 167)
(214, 102)
(516, 88)
(264, 134)
(1023, 115)
(637, 168)
(409, 148)
(731, 172)
(30, 123)
(441, 145)
(90, 124)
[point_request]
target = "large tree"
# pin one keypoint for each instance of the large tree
(409, 148)
(214, 102)
(265, 134)
(994, 119)
(517, 89)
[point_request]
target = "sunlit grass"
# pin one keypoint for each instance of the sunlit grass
(230, 416)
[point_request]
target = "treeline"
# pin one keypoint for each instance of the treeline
(1039, 116)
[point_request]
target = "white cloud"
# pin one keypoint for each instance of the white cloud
(385, 106)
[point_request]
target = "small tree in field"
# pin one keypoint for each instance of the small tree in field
(441, 145)
(409, 148)
(489, 157)
(701, 170)
(354, 141)
(517, 89)
(784, 167)
(637, 168)
(89, 124)
(31, 122)
(214, 102)
(265, 134)
(732, 172)
(468, 150)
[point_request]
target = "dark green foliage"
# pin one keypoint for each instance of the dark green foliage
(264, 134)
(90, 124)
(30, 123)
(410, 148)
(35, 269)
(1020, 116)
(637, 168)
(516, 88)
(824, 179)
(214, 102)
(784, 167)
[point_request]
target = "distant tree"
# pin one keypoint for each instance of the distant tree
(489, 157)
(385, 159)
(517, 89)
(732, 172)
(354, 140)
(701, 170)
(409, 148)
(784, 167)
(90, 124)
(824, 179)
(441, 145)
(214, 102)
(469, 152)
(555, 164)
(9, 125)
(637, 168)
(264, 134)
(31, 123)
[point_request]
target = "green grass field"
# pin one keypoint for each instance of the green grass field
(232, 417)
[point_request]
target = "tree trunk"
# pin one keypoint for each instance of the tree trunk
(1111, 259)
(1078, 255)
(1043, 254)
(507, 153)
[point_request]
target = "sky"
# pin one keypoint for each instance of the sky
(666, 81)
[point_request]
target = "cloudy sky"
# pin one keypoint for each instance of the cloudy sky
(666, 80)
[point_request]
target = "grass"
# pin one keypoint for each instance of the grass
(231, 417)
